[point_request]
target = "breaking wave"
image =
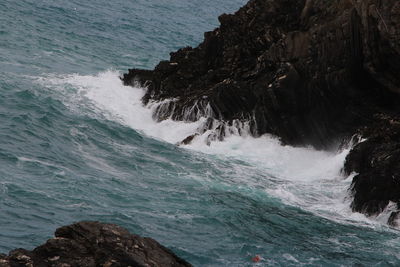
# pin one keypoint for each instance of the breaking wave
(297, 176)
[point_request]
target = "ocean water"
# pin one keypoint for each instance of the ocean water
(75, 144)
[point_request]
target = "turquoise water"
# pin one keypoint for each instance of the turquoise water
(77, 145)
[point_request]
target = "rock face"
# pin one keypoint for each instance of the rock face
(308, 71)
(94, 244)
(376, 160)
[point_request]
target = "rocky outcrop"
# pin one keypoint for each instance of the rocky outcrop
(376, 162)
(94, 244)
(308, 71)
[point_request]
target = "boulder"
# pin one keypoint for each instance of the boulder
(94, 244)
(376, 164)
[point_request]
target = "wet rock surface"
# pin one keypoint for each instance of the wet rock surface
(94, 244)
(376, 162)
(308, 71)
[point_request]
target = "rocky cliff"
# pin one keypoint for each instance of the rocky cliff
(312, 72)
(87, 244)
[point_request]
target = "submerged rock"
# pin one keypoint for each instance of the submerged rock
(311, 72)
(95, 244)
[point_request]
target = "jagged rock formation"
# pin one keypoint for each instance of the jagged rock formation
(376, 160)
(303, 72)
(87, 244)
(308, 71)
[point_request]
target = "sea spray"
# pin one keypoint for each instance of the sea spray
(104, 94)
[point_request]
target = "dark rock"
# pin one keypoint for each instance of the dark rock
(394, 219)
(188, 139)
(94, 244)
(308, 71)
(376, 160)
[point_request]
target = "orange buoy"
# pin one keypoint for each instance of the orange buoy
(256, 258)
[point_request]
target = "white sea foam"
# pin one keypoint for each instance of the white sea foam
(122, 103)
(300, 177)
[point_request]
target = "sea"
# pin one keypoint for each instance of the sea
(76, 144)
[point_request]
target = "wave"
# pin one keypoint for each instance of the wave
(298, 176)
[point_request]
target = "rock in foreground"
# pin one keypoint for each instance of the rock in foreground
(95, 244)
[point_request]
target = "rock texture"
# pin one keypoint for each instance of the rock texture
(308, 71)
(376, 160)
(87, 244)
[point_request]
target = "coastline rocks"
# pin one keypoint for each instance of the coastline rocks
(94, 244)
(309, 72)
(312, 72)
(376, 162)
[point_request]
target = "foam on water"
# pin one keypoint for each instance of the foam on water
(105, 92)
(297, 176)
